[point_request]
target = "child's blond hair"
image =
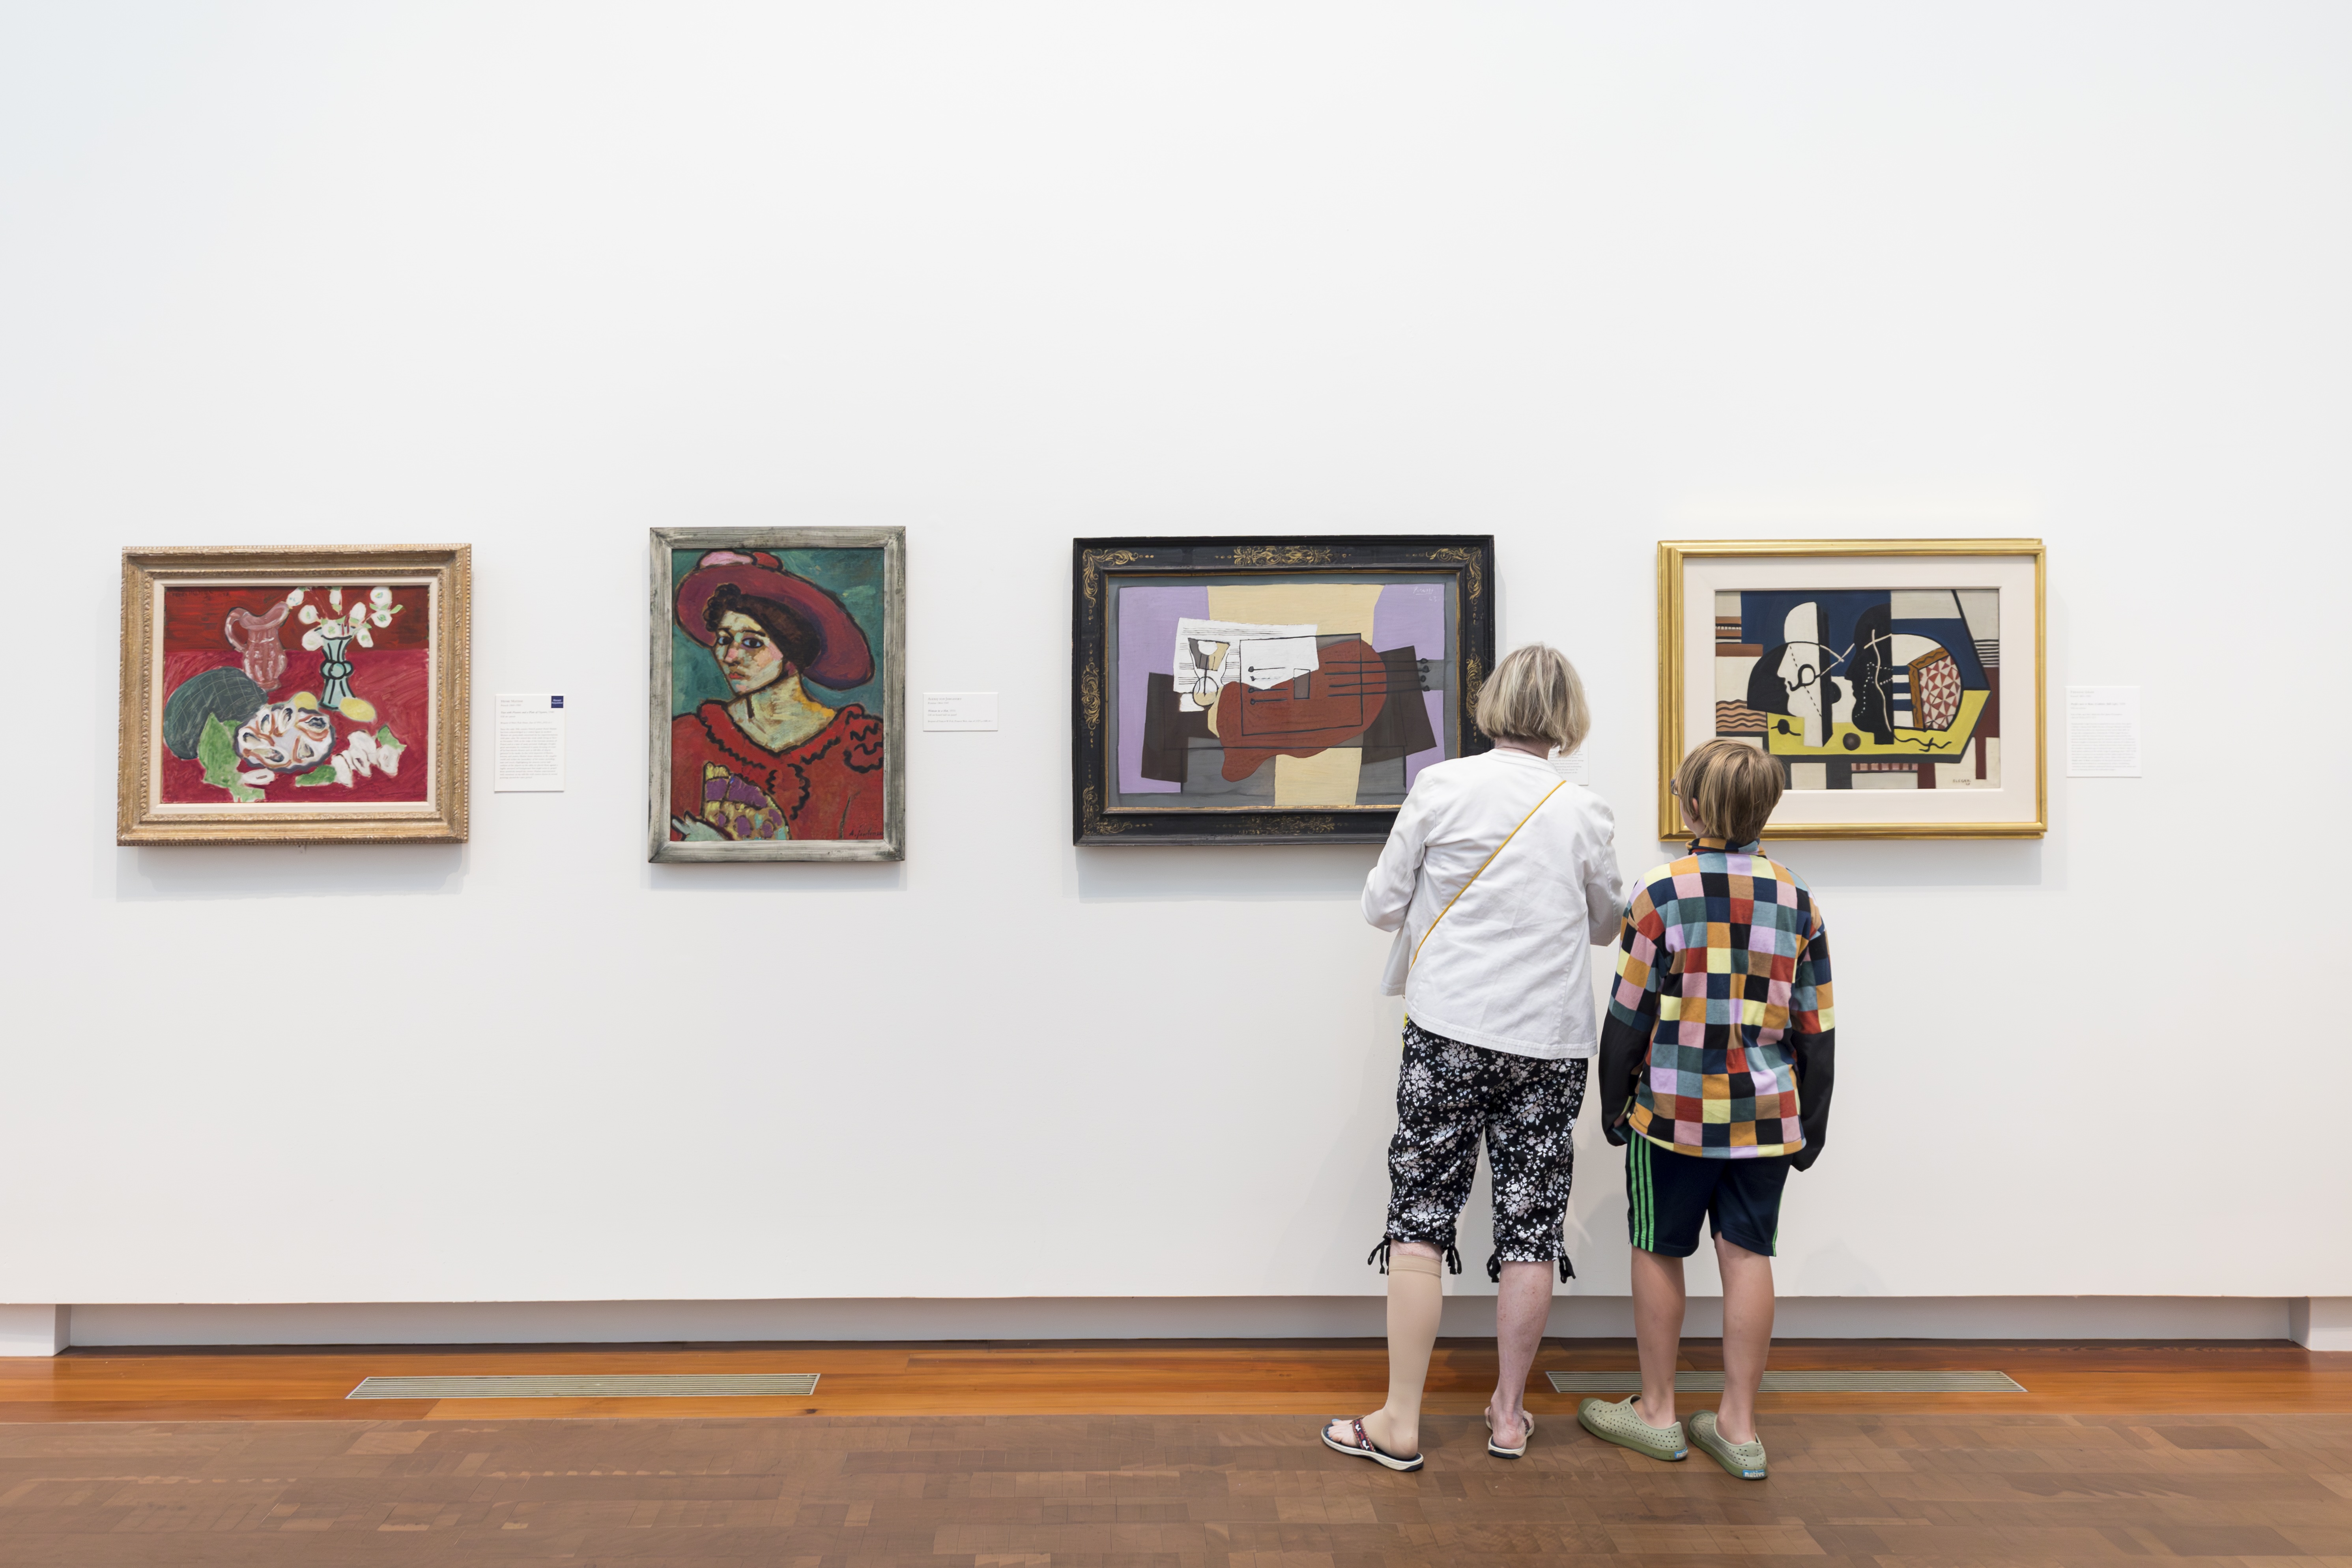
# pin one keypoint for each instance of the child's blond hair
(1730, 786)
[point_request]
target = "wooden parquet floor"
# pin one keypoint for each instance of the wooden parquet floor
(1129, 1378)
(2210, 1454)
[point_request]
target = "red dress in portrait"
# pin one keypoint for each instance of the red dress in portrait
(828, 786)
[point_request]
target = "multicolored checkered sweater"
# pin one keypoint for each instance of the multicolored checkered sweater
(1722, 1008)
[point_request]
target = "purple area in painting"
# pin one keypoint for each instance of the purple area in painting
(1415, 614)
(1146, 647)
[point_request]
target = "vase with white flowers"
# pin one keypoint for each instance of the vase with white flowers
(331, 635)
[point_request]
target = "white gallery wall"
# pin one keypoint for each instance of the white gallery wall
(539, 278)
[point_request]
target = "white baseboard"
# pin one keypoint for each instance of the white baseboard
(2320, 1322)
(33, 1330)
(1144, 1318)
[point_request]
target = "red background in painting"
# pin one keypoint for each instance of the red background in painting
(395, 674)
(193, 618)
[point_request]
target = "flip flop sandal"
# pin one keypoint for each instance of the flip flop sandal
(1502, 1453)
(1363, 1448)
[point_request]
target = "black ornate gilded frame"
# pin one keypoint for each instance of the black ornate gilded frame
(1469, 557)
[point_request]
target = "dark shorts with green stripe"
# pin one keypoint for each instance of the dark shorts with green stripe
(1666, 1196)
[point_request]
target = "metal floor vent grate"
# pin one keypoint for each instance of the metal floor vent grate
(1630, 1382)
(671, 1385)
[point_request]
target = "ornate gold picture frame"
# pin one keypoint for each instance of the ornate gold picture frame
(296, 695)
(1898, 681)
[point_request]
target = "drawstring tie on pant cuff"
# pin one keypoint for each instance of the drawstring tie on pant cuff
(1495, 1267)
(1453, 1257)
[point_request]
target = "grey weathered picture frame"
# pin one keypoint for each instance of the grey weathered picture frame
(890, 651)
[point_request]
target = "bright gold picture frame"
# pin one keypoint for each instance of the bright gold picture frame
(2019, 806)
(295, 695)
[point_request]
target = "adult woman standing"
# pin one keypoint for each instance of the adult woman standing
(1497, 880)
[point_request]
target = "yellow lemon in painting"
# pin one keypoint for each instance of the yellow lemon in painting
(305, 700)
(358, 710)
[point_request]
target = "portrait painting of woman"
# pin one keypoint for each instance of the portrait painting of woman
(780, 740)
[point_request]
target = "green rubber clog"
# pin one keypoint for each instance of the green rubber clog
(1620, 1424)
(1745, 1460)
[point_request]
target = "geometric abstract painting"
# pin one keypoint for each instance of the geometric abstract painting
(1864, 688)
(1897, 682)
(1262, 691)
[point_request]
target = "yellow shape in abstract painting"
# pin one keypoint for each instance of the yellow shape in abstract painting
(1329, 777)
(1333, 608)
(1326, 779)
(1911, 745)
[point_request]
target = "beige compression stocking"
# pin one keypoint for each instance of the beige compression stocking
(1416, 1297)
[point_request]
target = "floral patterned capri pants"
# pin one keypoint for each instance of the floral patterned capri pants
(1448, 1096)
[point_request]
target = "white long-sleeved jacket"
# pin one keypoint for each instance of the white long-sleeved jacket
(1509, 968)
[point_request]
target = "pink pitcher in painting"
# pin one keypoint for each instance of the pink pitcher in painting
(265, 660)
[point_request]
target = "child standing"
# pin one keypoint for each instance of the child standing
(1721, 1027)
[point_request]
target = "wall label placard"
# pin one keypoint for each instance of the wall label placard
(2103, 732)
(958, 710)
(528, 753)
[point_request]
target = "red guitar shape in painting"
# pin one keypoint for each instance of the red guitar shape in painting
(1329, 707)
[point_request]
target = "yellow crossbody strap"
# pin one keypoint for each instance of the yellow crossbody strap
(1481, 871)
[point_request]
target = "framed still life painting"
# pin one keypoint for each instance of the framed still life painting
(297, 695)
(1897, 682)
(1281, 691)
(779, 702)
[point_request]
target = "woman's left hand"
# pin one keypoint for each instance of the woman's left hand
(695, 830)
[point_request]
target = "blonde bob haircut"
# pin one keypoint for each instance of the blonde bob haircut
(1730, 787)
(1534, 695)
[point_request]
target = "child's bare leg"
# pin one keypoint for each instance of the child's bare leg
(1658, 1329)
(1747, 1337)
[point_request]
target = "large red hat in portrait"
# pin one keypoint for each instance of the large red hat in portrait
(844, 659)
